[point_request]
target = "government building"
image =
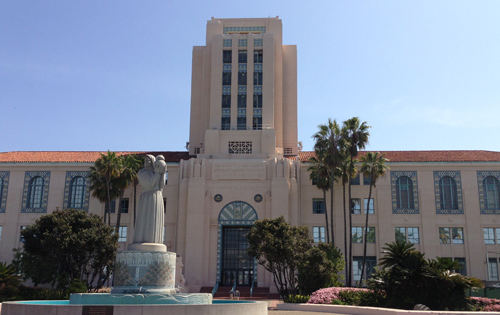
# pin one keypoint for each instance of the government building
(244, 164)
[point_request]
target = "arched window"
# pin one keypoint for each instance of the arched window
(448, 193)
(1, 190)
(76, 193)
(492, 192)
(404, 193)
(35, 192)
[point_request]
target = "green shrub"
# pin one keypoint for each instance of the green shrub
(9, 282)
(37, 293)
(297, 298)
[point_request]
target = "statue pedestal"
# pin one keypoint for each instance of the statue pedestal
(144, 271)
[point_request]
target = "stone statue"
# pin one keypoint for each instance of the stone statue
(150, 217)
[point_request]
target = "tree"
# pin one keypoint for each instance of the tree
(327, 147)
(129, 166)
(65, 246)
(320, 268)
(104, 180)
(356, 135)
(318, 172)
(406, 278)
(9, 281)
(281, 249)
(373, 167)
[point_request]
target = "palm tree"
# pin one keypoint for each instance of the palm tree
(357, 135)
(129, 167)
(103, 177)
(134, 164)
(319, 172)
(327, 148)
(373, 166)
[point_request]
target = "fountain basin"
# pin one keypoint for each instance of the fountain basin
(138, 299)
(218, 307)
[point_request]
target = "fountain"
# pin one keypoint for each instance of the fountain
(144, 275)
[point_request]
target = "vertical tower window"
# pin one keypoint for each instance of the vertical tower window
(1, 190)
(227, 56)
(227, 42)
(242, 74)
(77, 193)
(242, 56)
(257, 74)
(226, 74)
(492, 192)
(448, 193)
(257, 56)
(35, 192)
(404, 193)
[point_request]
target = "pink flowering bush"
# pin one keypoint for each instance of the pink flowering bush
(329, 295)
(486, 304)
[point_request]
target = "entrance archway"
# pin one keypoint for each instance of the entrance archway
(233, 262)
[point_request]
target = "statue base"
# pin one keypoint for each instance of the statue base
(147, 247)
(140, 272)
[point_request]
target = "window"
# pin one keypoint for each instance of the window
(357, 234)
(257, 121)
(356, 206)
(77, 193)
(492, 193)
(371, 210)
(257, 78)
(355, 180)
(257, 42)
(113, 206)
(451, 235)
(366, 180)
(242, 100)
(243, 42)
(35, 192)
(227, 43)
(319, 234)
(225, 123)
(1, 190)
(257, 101)
(242, 74)
(463, 267)
(404, 193)
(489, 235)
(357, 266)
(122, 234)
(319, 206)
(492, 269)
(242, 56)
(258, 56)
(407, 234)
(448, 193)
(226, 101)
(124, 205)
(226, 78)
(227, 56)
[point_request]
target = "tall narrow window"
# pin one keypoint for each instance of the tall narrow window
(242, 74)
(242, 56)
(489, 235)
(258, 56)
(355, 205)
(35, 192)
(493, 269)
(122, 234)
(357, 266)
(226, 74)
(226, 108)
(1, 190)
(319, 234)
(226, 101)
(76, 193)
(124, 205)
(492, 193)
(318, 206)
(404, 193)
(227, 56)
(369, 206)
(448, 193)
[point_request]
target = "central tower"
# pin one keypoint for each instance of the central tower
(244, 91)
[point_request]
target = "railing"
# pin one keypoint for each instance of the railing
(216, 287)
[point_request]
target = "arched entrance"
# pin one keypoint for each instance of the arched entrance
(233, 262)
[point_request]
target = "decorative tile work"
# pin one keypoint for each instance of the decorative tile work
(413, 176)
(226, 90)
(227, 42)
(4, 186)
(218, 198)
(481, 175)
(234, 213)
(240, 147)
(69, 177)
(257, 42)
(242, 43)
(456, 176)
(45, 193)
(243, 29)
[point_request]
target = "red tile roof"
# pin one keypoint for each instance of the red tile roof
(77, 156)
(176, 156)
(428, 156)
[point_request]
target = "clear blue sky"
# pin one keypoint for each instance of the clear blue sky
(97, 75)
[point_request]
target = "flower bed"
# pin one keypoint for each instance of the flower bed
(328, 295)
(486, 304)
